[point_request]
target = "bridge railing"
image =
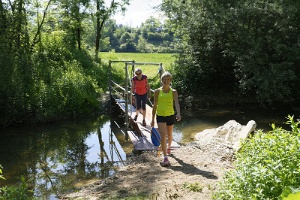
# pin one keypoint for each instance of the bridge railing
(126, 89)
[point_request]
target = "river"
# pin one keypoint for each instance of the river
(57, 157)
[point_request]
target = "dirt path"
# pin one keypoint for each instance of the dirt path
(195, 164)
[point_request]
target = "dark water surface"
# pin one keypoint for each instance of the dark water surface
(56, 157)
(195, 121)
(60, 156)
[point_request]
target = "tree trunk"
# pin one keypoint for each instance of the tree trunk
(78, 38)
(98, 36)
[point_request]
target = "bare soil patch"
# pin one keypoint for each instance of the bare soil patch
(195, 164)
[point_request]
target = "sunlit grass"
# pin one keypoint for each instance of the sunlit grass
(151, 71)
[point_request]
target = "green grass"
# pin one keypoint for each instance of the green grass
(195, 187)
(151, 71)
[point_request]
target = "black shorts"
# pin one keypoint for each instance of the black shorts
(169, 120)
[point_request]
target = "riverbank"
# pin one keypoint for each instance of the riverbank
(194, 173)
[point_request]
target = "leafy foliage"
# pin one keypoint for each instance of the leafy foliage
(53, 82)
(266, 165)
(248, 48)
(18, 192)
(46, 72)
(66, 85)
(153, 36)
(290, 193)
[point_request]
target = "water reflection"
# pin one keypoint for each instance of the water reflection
(59, 157)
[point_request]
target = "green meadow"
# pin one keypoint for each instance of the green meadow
(150, 70)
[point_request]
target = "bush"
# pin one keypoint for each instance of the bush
(18, 192)
(267, 164)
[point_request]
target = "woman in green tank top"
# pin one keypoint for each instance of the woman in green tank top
(164, 99)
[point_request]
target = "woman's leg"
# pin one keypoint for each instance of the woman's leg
(144, 99)
(170, 135)
(162, 127)
(143, 102)
(138, 104)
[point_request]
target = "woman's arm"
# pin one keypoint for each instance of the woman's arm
(177, 106)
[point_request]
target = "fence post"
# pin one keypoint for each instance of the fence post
(126, 97)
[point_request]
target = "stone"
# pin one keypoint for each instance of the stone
(231, 134)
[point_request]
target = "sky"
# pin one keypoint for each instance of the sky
(138, 12)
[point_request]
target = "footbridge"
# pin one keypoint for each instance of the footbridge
(121, 95)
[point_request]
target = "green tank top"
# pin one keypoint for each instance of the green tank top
(165, 103)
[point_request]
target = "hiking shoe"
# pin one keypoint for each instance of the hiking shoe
(135, 118)
(144, 122)
(166, 162)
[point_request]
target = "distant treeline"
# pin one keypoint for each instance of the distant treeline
(152, 36)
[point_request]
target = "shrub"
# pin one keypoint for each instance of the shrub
(267, 164)
(18, 192)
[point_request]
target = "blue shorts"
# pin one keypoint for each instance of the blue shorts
(140, 101)
(169, 120)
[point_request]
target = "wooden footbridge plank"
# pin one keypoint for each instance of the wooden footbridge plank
(141, 136)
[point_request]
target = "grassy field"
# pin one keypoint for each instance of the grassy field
(151, 71)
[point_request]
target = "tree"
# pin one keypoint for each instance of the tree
(40, 23)
(42, 74)
(128, 47)
(142, 45)
(74, 14)
(155, 38)
(246, 48)
(102, 15)
(126, 37)
(152, 24)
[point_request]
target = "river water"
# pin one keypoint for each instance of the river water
(58, 157)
